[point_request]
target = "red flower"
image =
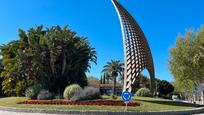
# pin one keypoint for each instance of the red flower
(99, 103)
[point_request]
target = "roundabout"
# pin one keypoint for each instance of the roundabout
(18, 111)
(52, 70)
(153, 106)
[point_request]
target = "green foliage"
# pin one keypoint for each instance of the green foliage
(92, 81)
(71, 91)
(107, 78)
(54, 57)
(184, 86)
(164, 87)
(44, 95)
(113, 69)
(168, 96)
(187, 61)
(14, 81)
(143, 92)
(1, 92)
(141, 80)
(1, 65)
(75, 93)
(58, 96)
(1, 80)
(33, 91)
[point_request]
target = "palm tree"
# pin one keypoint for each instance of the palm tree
(54, 58)
(1, 65)
(115, 68)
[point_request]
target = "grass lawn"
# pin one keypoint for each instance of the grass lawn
(147, 104)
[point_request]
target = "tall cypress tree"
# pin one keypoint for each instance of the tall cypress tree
(101, 80)
(104, 79)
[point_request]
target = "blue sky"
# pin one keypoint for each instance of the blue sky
(161, 21)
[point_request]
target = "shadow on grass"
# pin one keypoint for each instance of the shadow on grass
(2, 96)
(171, 103)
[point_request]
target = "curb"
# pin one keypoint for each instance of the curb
(94, 112)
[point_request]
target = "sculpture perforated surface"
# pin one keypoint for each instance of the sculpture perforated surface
(136, 49)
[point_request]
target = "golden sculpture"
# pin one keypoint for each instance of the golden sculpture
(136, 49)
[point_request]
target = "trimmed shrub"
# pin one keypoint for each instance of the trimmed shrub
(91, 93)
(88, 93)
(44, 95)
(33, 91)
(71, 91)
(143, 92)
(78, 95)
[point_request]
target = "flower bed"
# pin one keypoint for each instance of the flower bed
(99, 103)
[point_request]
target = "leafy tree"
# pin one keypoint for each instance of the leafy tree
(14, 80)
(186, 61)
(1, 69)
(1, 66)
(1, 92)
(142, 79)
(92, 80)
(114, 68)
(164, 87)
(54, 57)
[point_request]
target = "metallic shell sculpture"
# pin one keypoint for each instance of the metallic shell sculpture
(136, 49)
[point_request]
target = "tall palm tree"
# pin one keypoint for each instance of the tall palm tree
(115, 68)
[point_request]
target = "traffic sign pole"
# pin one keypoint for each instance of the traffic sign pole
(126, 106)
(126, 96)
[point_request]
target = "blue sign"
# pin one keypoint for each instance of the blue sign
(126, 96)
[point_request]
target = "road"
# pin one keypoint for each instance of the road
(14, 113)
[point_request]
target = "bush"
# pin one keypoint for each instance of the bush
(88, 93)
(44, 95)
(91, 93)
(75, 93)
(143, 92)
(113, 96)
(58, 96)
(168, 96)
(1, 80)
(70, 91)
(78, 95)
(33, 91)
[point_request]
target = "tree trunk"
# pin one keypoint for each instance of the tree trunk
(202, 98)
(114, 86)
(63, 63)
(52, 64)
